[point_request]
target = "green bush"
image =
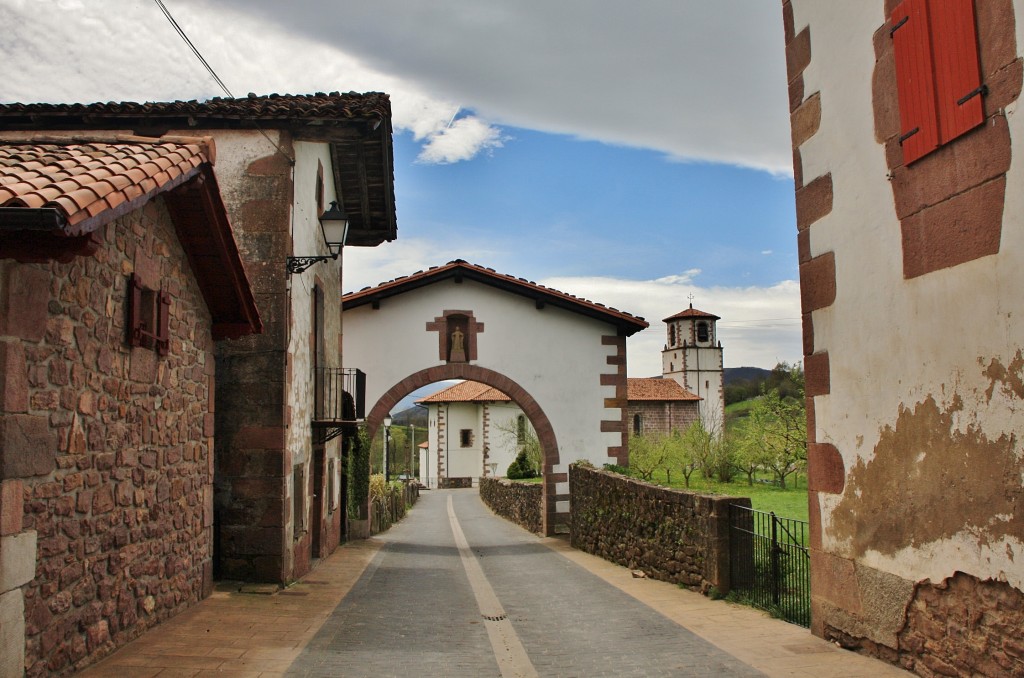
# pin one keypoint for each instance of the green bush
(520, 468)
(359, 474)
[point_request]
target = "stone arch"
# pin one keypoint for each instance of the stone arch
(541, 423)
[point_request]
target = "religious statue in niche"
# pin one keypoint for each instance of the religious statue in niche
(457, 325)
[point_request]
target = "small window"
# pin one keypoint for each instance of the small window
(319, 188)
(148, 317)
(332, 501)
(638, 425)
(672, 334)
(703, 332)
(521, 429)
(466, 438)
(298, 501)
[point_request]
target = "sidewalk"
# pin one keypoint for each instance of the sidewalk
(235, 635)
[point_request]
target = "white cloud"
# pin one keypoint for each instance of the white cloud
(461, 140)
(698, 81)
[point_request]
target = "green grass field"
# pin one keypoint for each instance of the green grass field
(788, 503)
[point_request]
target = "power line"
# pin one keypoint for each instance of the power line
(181, 32)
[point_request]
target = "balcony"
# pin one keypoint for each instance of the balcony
(339, 401)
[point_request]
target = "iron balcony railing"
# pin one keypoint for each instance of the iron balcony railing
(339, 396)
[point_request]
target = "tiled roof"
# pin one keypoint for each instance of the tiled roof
(467, 392)
(357, 126)
(653, 388)
(691, 313)
(459, 269)
(319, 106)
(89, 181)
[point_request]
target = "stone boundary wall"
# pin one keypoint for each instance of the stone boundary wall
(671, 535)
(518, 502)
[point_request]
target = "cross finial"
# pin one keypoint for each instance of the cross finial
(690, 297)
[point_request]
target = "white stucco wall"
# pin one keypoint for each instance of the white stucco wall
(895, 343)
(553, 354)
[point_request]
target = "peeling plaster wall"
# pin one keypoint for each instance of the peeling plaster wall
(902, 350)
(919, 373)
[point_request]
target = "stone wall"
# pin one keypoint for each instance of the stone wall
(519, 502)
(670, 535)
(110, 447)
(662, 417)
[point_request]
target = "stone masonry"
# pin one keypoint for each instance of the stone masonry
(107, 447)
(670, 535)
(522, 503)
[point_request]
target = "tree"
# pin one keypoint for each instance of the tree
(679, 456)
(527, 444)
(748, 454)
(779, 425)
(646, 455)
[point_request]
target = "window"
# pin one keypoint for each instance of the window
(938, 77)
(466, 438)
(332, 500)
(148, 317)
(521, 429)
(298, 501)
(319, 188)
(702, 331)
(638, 425)
(672, 334)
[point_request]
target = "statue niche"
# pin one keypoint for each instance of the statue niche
(458, 326)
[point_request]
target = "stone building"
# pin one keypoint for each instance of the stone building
(660, 406)
(283, 397)
(118, 273)
(910, 231)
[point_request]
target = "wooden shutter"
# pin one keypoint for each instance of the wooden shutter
(134, 311)
(163, 339)
(958, 90)
(915, 79)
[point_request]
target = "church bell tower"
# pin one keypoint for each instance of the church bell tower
(693, 357)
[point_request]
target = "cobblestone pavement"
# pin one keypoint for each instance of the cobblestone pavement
(453, 590)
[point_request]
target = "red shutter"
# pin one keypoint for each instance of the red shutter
(915, 79)
(957, 70)
(163, 341)
(134, 311)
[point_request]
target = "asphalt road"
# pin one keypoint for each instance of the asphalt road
(457, 591)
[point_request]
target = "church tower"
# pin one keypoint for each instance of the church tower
(693, 357)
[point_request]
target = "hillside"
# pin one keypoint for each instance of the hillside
(732, 375)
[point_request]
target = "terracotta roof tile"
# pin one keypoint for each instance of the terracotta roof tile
(654, 388)
(691, 313)
(284, 107)
(467, 392)
(84, 178)
(541, 294)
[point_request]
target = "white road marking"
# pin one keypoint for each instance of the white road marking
(508, 650)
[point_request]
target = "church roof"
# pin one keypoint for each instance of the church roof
(467, 392)
(656, 388)
(691, 313)
(459, 270)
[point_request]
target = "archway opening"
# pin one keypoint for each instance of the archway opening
(530, 409)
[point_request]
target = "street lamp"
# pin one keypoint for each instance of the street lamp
(334, 227)
(387, 445)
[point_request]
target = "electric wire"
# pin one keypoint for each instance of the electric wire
(195, 50)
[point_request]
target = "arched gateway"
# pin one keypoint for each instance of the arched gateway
(562, 359)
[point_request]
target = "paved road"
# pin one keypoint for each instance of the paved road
(456, 591)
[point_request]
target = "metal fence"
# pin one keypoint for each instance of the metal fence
(769, 563)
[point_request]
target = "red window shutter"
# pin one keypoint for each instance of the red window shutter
(134, 312)
(163, 340)
(915, 79)
(957, 68)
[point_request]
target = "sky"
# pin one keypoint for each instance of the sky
(635, 154)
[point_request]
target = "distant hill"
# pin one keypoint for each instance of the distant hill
(732, 375)
(417, 416)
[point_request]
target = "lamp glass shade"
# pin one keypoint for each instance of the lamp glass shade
(387, 422)
(334, 223)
